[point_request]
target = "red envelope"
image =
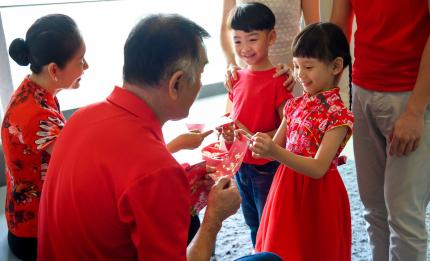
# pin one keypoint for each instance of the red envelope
(199, 191)
(226, 164)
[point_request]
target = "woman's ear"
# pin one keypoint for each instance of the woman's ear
(337, 65)
(174, 84)
(53, 71)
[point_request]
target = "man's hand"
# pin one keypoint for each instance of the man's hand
(262, 145)
(406, 134)
(282, 69)
(223, 201)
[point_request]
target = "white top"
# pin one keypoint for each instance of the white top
(288, 15)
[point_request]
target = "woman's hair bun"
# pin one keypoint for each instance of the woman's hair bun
(19, 52)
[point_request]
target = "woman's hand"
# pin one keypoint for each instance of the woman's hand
(190, 140)
(282, 69)
(229, 75)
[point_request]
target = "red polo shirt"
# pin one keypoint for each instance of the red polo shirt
(113, 191)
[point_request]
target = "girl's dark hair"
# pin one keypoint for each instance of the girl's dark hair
(252, 16)
(325, 42)
(52, 38)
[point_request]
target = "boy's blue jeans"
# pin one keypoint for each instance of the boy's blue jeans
(264, 256)
(253, 182)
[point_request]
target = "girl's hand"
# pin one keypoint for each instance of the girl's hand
(230, 74)
(262, 145)
(282, 69)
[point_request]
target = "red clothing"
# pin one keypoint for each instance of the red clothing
(113, 191)
(33, 120)
(307, 219)
(256, 98)
(389, 42)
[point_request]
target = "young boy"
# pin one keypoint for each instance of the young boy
(258, 100)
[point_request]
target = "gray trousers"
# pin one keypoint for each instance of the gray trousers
(394, 190)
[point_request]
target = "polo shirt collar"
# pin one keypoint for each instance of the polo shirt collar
(136, 106)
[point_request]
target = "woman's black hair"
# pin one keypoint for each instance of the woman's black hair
(325, 42)
(52, 38)
(251, 17)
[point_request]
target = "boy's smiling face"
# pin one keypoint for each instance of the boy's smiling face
(253, 47)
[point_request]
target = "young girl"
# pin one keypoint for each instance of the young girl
(307, 215)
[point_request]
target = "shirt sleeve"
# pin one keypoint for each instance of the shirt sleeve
(42, 128)
(281, 92)
(340, 116)
(157, 211)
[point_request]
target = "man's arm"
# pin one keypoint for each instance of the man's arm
(223, 201)
(343, 15)
(311, 11)
(226, 43)
(408, 129)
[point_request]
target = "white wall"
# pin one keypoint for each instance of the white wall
(6, 87)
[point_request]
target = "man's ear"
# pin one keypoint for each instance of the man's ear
(272, 37)
(337, 65)
(53, 71)
(174, 84)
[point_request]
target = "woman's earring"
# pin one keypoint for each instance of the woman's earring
(56, 79)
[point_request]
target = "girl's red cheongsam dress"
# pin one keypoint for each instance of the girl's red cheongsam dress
(308, 219)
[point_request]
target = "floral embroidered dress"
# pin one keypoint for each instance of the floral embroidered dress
(32, 121)
(308, 219)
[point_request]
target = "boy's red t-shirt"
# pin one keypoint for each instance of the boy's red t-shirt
(256, 97)
(33, 120)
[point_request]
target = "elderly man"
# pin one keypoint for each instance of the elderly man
(113, 191)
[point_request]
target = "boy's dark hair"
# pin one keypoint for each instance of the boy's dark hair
(252, 17)
(158, 46)
(52, 38)
(325, 42)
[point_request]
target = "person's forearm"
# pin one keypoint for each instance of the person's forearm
(175, 145)
(420, 97)
(342, 15)
(311, 11)
(226, 41)
(201, 248)
(307, 166)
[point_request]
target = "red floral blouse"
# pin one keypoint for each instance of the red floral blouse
(310, 117)
(32, 121)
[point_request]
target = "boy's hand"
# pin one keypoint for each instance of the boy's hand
(262, 145)
(230, 74)
(282, 69)
(227, 132)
